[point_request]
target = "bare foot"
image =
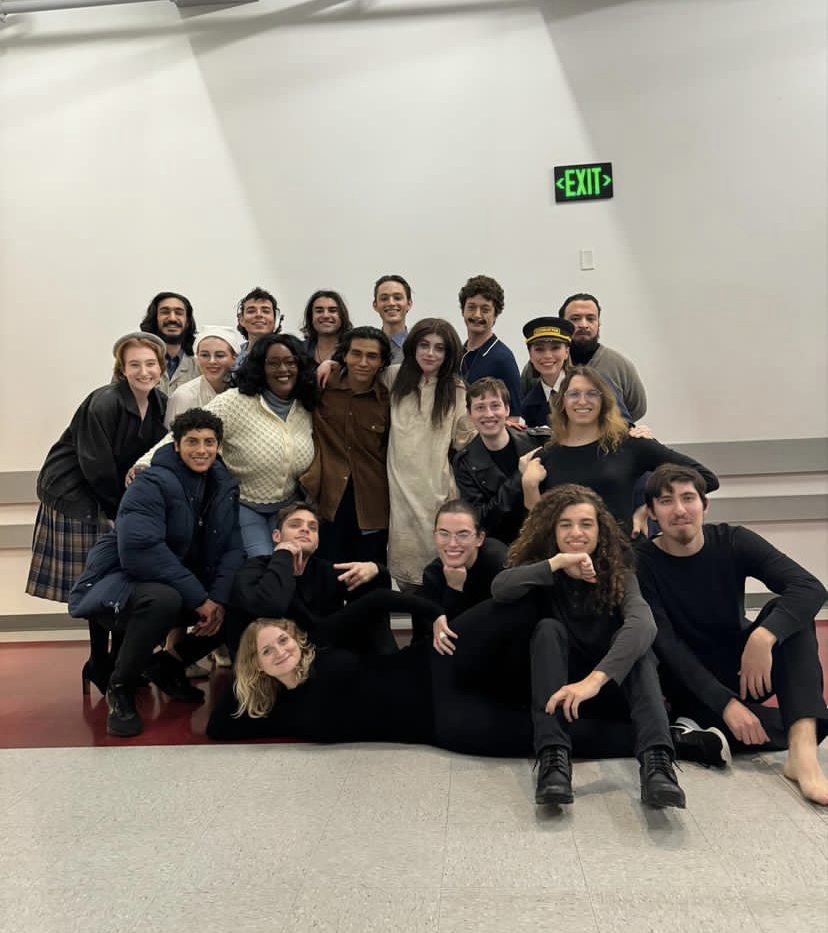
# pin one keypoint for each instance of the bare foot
(805, 771)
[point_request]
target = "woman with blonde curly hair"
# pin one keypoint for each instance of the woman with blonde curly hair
(592, 445)
(572, 561)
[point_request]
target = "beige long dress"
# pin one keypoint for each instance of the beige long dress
(419, 476)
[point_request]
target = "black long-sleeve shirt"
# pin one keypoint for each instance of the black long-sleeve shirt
(613, 641)
(491, 559)
(699, 603)
(613, 475)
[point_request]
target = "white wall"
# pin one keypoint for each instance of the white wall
(145, 148)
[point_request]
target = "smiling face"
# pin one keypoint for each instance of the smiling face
(258, 318)
(215, 359)
(430, 354)
(576, 531)
(198, 449)
(679, 511)
(141, 369)
(488, 414)
(456, 539)
(301, 527)
(363, 359)
(277, 653)
(326, 319)
(392, 304)
(281, 370)
(479, 317)
(586, 320)
(548, 358)
(582, 402)
(171, 316)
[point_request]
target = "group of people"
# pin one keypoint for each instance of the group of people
(300, 477)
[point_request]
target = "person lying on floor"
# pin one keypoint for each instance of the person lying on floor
(287, 687)
(293, 582)
(467, 561)
(592, 637)
(168, 563)
(717, 667)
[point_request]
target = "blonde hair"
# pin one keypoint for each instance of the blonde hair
(256, 691)
(149, 343)
(612, 429)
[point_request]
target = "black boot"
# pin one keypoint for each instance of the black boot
(659, 784)
(554, 776)
(123, 719)
(170, 675)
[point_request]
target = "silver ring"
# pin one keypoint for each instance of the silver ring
(442, 636)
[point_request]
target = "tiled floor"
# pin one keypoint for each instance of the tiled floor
(381, 838)
(174, 835)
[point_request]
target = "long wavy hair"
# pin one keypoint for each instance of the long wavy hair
(150, 322)
(250, 378)
(256, 691)
(612, 429)
(342, 309)
(612, 557)
(409, 375)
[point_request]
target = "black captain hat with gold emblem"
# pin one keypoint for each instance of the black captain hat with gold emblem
(548, 328)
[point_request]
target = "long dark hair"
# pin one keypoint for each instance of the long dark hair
(344, 317)
(408, 378)
(612, 558)
(250, 377)
(150, 323)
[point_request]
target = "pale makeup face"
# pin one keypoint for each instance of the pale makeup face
(548, 358)
(141, 369)
(257, 317)
(585, 319)
(479, 317)
(302, 528)
(679, 512)
(171, 316)
(363, 359)
(488, 414)
(430, 354)
(325, 317)
(281, 371)
(582, 402)
(198, 449)
(392, 304)
(576, 531)
(456, 540)
(277, 653)
(215, 359)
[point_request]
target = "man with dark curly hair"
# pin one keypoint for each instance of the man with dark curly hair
(484, 354)
(170, 317)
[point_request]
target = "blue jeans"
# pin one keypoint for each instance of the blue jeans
(257, 531)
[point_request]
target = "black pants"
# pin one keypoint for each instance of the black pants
(150, 612)
(556, 662)
(342, 539)
(796, 677)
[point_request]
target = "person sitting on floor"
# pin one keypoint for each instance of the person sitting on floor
(169, 562)
(593, 627)
(717, 667)
(467, 561)
(293, 582)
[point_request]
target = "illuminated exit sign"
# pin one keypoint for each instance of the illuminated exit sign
(591, 182)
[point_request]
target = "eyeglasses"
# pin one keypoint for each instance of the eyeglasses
(461, 537)
(591, 395)
(279, 363)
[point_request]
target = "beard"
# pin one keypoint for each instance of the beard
(175, 339)
(581, 351)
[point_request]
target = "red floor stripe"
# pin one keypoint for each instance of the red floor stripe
(42, 706)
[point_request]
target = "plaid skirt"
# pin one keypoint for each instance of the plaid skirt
(59, 548)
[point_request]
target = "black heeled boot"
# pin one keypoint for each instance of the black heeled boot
(98, 669)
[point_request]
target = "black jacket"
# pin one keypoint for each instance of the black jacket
(498, 498)
(85, 470)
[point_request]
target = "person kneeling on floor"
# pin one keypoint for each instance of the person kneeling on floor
(169, 562)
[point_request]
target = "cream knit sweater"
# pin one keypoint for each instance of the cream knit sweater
(264, 453)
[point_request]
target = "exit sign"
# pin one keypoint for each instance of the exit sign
(591, 182)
